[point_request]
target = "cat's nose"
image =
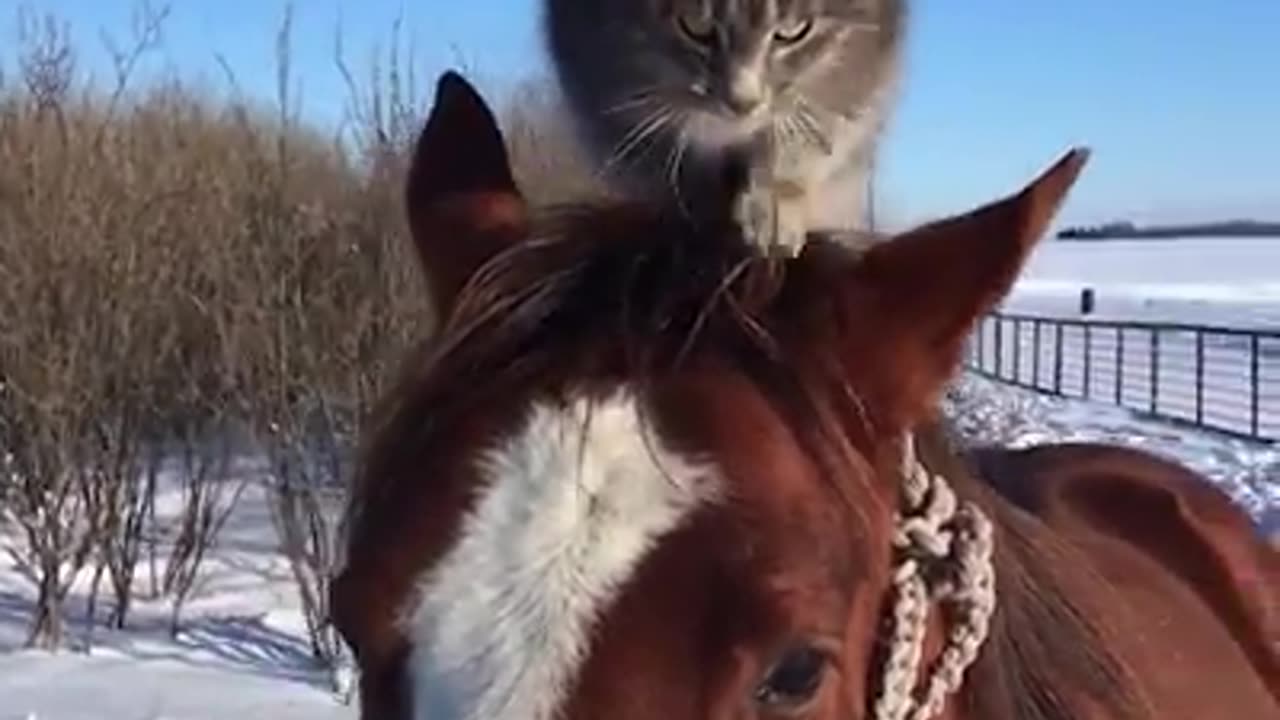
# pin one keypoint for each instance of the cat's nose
(745, 92)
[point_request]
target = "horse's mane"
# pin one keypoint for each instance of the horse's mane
(1045, 655)
(624, 280)
(626, 292)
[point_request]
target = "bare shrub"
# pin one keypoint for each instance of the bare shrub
(175, 263)
(334, 300)
(209, 494)
(52, 376)
(550, 163)
(46, 507)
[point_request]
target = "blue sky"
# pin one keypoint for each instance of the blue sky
(1180, 99)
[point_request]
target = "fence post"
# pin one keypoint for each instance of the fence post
(1119, 365)
(982, 343)
(1017, 351)
(1231, 424)
(1035, 348)
(1154, 368)
(1255, 422)
(999, 371)
(1087, 385)
(1057, 358)
(1199, 377)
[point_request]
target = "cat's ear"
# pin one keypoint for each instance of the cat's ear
(927, 288)
(462, 201)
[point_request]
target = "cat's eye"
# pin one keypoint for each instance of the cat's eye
(793, 33)
(793, 682)
(697, 29)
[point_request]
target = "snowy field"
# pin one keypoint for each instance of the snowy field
(1194, 297)
(990, 412)
(1229, 284)
(1233, 282)
(244, 655)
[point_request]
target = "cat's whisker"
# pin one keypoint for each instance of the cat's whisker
(651, 137)
(645, 128)
(632, 135)
(675, 162)
(807, 126)
(628, 105)
(800, 133)
(638, 99)
(809, 119)
(785, 131)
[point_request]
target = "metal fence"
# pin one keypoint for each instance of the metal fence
(1217, 378)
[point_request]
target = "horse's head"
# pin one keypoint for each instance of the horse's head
(638, 474)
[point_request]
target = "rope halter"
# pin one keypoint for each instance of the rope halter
(942, 550)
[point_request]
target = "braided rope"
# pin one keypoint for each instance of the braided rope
(944, 550)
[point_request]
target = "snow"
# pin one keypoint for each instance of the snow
(1230, 282)
(1217, 282)
(130, 686)
(991, 412)
(243, 653)
(1222, 284)
(1225, 283)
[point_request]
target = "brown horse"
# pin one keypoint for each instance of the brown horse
(640, 475)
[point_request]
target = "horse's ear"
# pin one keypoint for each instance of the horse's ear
(932, 284)
(462, 202)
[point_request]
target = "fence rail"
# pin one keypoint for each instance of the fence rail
(1217, 378)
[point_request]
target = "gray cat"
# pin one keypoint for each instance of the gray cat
(762, 111)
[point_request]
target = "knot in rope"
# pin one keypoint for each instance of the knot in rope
(943, 553)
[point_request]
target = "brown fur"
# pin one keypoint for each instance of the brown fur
(798, 379)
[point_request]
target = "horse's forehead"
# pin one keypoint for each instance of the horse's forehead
(568, 506)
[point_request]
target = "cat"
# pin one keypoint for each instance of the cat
(762, 111)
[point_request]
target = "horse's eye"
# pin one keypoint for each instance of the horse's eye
(794, 681)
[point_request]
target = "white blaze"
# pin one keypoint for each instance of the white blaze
(569, 506)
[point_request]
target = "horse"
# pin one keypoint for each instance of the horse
(639, 473)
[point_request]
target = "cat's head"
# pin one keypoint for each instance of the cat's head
(723, 69)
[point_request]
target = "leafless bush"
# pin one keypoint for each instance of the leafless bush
(550, 163)
(120, 486)
(47, 508)
(173, 265)
(53, 384)
(209, 496)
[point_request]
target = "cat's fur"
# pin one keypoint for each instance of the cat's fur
(716, 105)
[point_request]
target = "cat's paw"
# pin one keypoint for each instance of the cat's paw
(775, 226)
(755, 212)
(792, 227)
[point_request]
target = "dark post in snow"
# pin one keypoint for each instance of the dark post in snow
(1087, 301)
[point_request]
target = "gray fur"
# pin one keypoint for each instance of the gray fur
(671, 94)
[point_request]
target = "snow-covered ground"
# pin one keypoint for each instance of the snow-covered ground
(992, 412)
(1231, 283)
(1223, 283)
(1205, 281)
(244, 654)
